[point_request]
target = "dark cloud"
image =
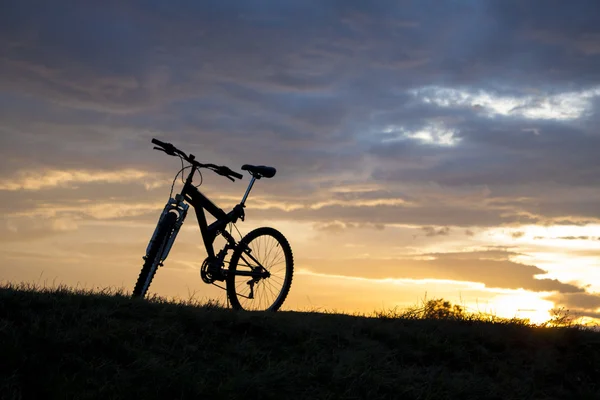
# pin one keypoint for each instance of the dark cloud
(126, 55)
(588, 301)
(499, 153)
(322, 90)
(428, 214)
(493, 269)
(576, 313)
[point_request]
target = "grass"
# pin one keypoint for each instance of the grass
(75, 344)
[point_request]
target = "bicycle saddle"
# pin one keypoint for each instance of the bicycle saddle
(260, 171)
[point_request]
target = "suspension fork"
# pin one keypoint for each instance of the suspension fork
(180, 207)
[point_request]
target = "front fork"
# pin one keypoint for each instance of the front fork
(181, 208)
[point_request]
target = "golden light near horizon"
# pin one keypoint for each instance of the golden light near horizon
(304, 236)
(306, 239)
(523, 305)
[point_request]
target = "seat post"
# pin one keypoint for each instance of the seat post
(248, 190)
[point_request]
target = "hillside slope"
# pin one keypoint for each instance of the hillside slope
(58, 344)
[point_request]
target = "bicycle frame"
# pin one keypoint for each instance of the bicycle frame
(200, 202)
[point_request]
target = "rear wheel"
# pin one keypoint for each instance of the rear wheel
(265, 252)
(153, 257)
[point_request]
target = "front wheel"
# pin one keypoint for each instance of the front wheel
(152, 259)
(260, 271)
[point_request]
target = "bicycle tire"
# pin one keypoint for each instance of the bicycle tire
(246, 242)
(150, 264)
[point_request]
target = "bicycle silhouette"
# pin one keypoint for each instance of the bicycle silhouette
(259, 272)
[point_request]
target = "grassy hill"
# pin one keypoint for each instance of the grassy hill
(66, 345)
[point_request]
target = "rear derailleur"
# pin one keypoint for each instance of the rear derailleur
(255, 280)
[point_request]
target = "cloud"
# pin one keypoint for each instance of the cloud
(38, 180)
(431, 231)
(95, 210)
(338, 226)
(561, 106)
(566, 237)
(140, 56)
(29, 229)
(588, 301)
(579, 304)
(493, 268)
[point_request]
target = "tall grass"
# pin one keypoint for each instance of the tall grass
(64, 343)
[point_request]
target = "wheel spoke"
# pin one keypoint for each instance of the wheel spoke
(276, 277)
(269, 286)
(279, 259)
(267, 258)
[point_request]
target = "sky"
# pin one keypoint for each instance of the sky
(424, 149)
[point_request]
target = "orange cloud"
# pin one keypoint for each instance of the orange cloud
(34, 180)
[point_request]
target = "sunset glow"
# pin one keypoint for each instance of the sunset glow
(420, 154)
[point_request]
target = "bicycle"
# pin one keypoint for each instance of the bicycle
(258, 277)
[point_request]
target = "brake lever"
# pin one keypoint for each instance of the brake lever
(232, 173)
(170, 153)
(223, 171)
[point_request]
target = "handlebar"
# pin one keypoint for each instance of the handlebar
(174, 151)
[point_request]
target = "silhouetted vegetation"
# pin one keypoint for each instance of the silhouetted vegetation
(60, 343)
(443, 309)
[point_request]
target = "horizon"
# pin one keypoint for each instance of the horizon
(440, 148)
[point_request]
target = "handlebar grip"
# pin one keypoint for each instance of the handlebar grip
(158, 142)
(236, 175)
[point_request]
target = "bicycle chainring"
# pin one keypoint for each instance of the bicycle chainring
(211, 270)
